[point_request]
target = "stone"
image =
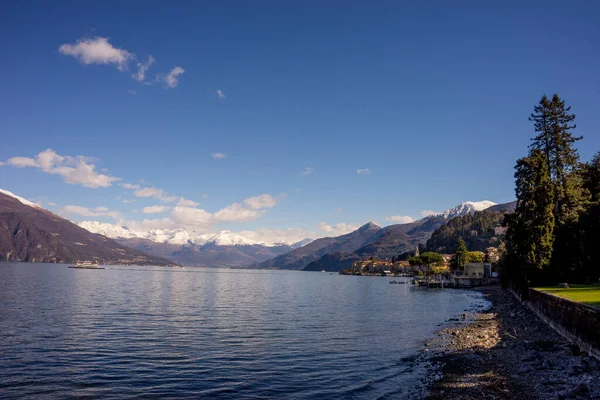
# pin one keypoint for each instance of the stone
(524, 369)
(581, 389)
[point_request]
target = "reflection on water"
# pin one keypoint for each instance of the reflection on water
(213, 333)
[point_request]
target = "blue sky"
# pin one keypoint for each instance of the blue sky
(432, 98)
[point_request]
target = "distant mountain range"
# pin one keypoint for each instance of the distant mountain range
(28, 232)
(186, 247)
(301, 257)
(31, 233)
(377, 242)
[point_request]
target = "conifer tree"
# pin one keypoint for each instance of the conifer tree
(459, 258)
(530, 227)
(589, 225)
(554, 125)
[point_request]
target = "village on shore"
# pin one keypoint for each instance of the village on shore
(461, 269)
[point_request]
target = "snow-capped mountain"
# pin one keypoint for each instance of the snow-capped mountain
(301, 243)
(180, 237)
(109, 230)
(22, 200)
(228, 238)
(468, 207)
(30, 233)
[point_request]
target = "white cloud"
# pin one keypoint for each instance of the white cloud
(149, 192)
(339, 210)
(22, 162)
(129, 186)
(237, 212)
(220, 94)
(2, 163)
(186, 203)
(297, 190)
(51, 203)
(127, 201)
(153, 192)
(427, 213)
(172, 78)
(140, 75)
(97, 50)
(190, 217)
(262, 201)
(363, 171)
(75, 170)
(338, 229)
(86, 212)
(154, 209)
(204, 196)
(168, 199)
(218, 156)
(308, 171)
(400, 219)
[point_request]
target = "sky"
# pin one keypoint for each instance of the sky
(282, 119)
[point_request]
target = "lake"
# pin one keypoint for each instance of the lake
(156, 332)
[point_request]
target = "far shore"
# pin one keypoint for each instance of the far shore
(507, 352)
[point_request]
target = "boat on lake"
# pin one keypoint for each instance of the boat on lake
(87, 265)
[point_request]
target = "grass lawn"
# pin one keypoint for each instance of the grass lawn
(586, 294)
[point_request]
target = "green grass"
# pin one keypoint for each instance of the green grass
(586, 294)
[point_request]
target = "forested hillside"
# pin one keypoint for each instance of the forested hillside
(477, 230)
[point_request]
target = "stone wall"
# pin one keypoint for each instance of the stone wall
(577, 322)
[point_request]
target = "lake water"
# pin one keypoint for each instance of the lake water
(155, 332)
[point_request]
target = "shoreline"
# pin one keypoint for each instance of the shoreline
(507, 352)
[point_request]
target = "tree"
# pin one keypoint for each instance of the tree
(591, 178)
(426, 261)
(530, 228)
(459, 258)
(474, 257)
(554, 124)
(589, 225)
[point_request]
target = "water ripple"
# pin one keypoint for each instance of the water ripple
(220, 334)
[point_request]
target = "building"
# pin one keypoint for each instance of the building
(478, 270)
(371, 266)
(493, 254)
(475, 274)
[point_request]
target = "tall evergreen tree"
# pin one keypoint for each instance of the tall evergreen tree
(591, 181)
(554, 125)
(531, 226)
(459, 258)
(589, 225)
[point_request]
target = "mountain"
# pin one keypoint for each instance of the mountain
(479, 230)
(301, 243)
(181, 236)
(467, 207)
(31, 233)
(299, 258)
(504, 208)
(396, 239)
(221, 249)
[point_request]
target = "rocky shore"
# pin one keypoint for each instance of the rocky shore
(507, 352)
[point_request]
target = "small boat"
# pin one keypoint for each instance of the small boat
(87, 265)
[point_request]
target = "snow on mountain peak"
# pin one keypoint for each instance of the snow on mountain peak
(109, 230)
(465, 208)
(22, 200)
(228, 238)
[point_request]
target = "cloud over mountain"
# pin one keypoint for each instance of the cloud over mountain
(78, 170)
